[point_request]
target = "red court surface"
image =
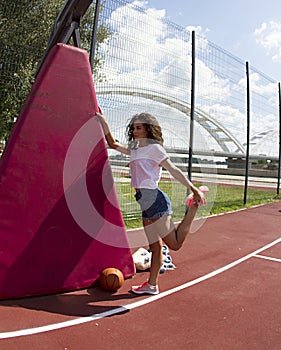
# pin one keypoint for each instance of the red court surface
(224, 294)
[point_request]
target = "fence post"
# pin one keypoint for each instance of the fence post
(248, 134)
(192, 103)
(279, 160)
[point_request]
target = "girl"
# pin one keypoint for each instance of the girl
(147, 157)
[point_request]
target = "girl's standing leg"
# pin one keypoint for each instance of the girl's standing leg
(163, 229)
(155, 246)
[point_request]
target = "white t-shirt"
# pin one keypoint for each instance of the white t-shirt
(145, 165)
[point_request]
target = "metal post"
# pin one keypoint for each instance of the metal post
(66, 25)
(94, 34)
(248, 134)
(279, 161)
(192, 104)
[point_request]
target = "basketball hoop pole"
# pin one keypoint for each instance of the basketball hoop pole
(66, 25)
(94, 34)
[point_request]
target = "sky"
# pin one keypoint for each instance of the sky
(248, 29)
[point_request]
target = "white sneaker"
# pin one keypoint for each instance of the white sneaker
(145, 288)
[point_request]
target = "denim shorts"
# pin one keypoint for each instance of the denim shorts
(154, 203)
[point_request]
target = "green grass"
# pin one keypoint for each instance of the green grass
(220, 199)
(232, 198)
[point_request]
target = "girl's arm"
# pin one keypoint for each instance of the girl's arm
(179, 176)
(112, 143)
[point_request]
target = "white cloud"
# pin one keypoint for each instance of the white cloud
(268, 35)
(199, 30)
(259, 86)
(267, 90)
(146, 53)
(209, 85)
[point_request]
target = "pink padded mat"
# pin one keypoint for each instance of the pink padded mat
(60, 221)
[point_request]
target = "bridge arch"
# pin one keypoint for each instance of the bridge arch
(222, 136)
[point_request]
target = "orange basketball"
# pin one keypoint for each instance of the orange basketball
(111, 279)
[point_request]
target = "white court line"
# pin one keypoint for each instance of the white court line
(267, 258)
(121, 309)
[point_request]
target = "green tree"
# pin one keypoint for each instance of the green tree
(26, 26)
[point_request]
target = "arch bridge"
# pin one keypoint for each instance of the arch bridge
(222, 136)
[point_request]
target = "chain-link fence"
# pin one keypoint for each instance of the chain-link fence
(148, 67)
(145, 63)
